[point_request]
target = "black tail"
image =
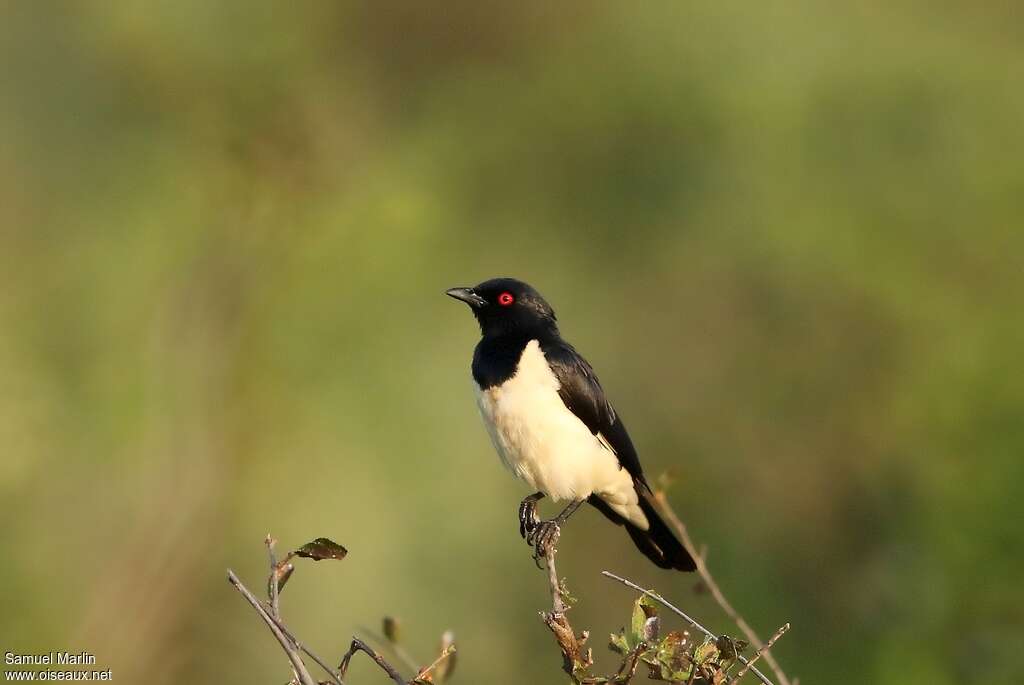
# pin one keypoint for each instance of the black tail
(658, 543)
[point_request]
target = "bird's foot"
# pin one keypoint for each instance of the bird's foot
(543, 538)
(528, 519)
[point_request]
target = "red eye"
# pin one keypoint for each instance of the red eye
(505, 299)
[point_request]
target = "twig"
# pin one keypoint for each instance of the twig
(761, 652)
(557, 601)
(445, 653)
(272, 588)
(286, 644)
(270, 612)
(574, 657)
(360, 646)
(275, 599)
(629, 663)
(279, 628)
(716, 592)
(393, 647)
(664, 602)
(320, 662)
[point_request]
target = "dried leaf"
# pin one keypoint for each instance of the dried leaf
(577, 661)
(649, 607)
(672, 657)
(730, 647)
(322, 548)
(392, 628)
(282, 572)
(651, 627)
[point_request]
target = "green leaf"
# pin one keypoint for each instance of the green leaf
(567, 597)
(677, 675)
(322, 548)
(619, 643)
(706, 652)
(593, 680)
(579, 670)
(637, 623)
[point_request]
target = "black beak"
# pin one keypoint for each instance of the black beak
(466, 295)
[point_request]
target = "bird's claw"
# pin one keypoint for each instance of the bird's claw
(528, 520)
(543, 538)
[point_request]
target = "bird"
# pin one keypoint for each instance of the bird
(553, 426)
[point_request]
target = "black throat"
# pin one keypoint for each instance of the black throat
(496, 357)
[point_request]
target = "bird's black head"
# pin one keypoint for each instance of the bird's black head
(505, 305)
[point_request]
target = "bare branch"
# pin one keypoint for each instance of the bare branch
(557, 601)
(574, 658)
(628, 667)
(286, 644)
(716, 592)
(272, 589)
(686, 617)
(269, 611)
(761, 652)
(320, 662)
(395, 648)
(360, 646)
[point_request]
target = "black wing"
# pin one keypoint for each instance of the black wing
(583, 395)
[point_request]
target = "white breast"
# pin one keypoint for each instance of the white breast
(546, 445)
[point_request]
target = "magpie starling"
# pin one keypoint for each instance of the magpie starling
(552, 425)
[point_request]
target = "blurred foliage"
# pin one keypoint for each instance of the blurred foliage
(674, 658)
(787, 235)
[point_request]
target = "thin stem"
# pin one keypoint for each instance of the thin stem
(664, 602)
(275, 599)
(761, 652)
(320, 662)
(445, 653)
(716, 592)
(557, 602)
(360, 646)
(395, 648)
(293, 653)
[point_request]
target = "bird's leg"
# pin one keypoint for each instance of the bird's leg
(528, 519)
(545, 534)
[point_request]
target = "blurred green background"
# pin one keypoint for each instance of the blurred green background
(788, 236)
